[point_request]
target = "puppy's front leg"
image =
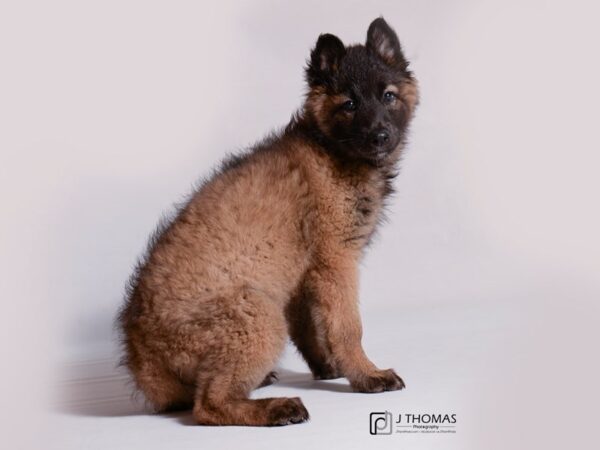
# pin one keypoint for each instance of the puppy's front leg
(336, 315)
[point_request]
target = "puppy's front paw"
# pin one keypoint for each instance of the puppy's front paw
(325, 372)
(378, 381)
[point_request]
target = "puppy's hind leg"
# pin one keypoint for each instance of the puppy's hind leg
(162, 389)
(249, 334)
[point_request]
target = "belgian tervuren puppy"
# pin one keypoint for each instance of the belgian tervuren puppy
(269, 247)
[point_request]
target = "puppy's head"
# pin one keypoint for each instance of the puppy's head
(362, 96)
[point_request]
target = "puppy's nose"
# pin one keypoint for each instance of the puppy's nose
(380, 137)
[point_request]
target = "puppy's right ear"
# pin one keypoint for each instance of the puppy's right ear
(325, 60)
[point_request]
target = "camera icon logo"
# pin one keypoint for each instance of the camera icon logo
(380, 423)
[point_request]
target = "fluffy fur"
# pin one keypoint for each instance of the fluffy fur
(269, 248)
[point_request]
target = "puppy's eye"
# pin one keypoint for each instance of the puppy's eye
(389, 97)
(349, 106)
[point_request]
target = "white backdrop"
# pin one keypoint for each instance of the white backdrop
(111, 110)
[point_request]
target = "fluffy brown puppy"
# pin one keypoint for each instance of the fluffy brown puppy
(269, 246)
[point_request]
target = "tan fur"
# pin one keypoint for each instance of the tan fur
(409, 92)
(266, 248)
(321, 103)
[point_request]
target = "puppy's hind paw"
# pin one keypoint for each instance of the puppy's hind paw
(269, 379)
(287, 411)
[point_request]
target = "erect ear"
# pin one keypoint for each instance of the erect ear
(325, 59)
(382, 40)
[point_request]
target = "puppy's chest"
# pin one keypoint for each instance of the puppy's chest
(363, 206)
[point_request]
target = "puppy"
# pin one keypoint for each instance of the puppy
(269, 248)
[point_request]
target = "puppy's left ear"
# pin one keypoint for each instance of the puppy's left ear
(382, 40)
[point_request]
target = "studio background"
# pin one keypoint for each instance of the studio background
(482, 289)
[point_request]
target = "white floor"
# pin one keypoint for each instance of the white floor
(447, 357)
